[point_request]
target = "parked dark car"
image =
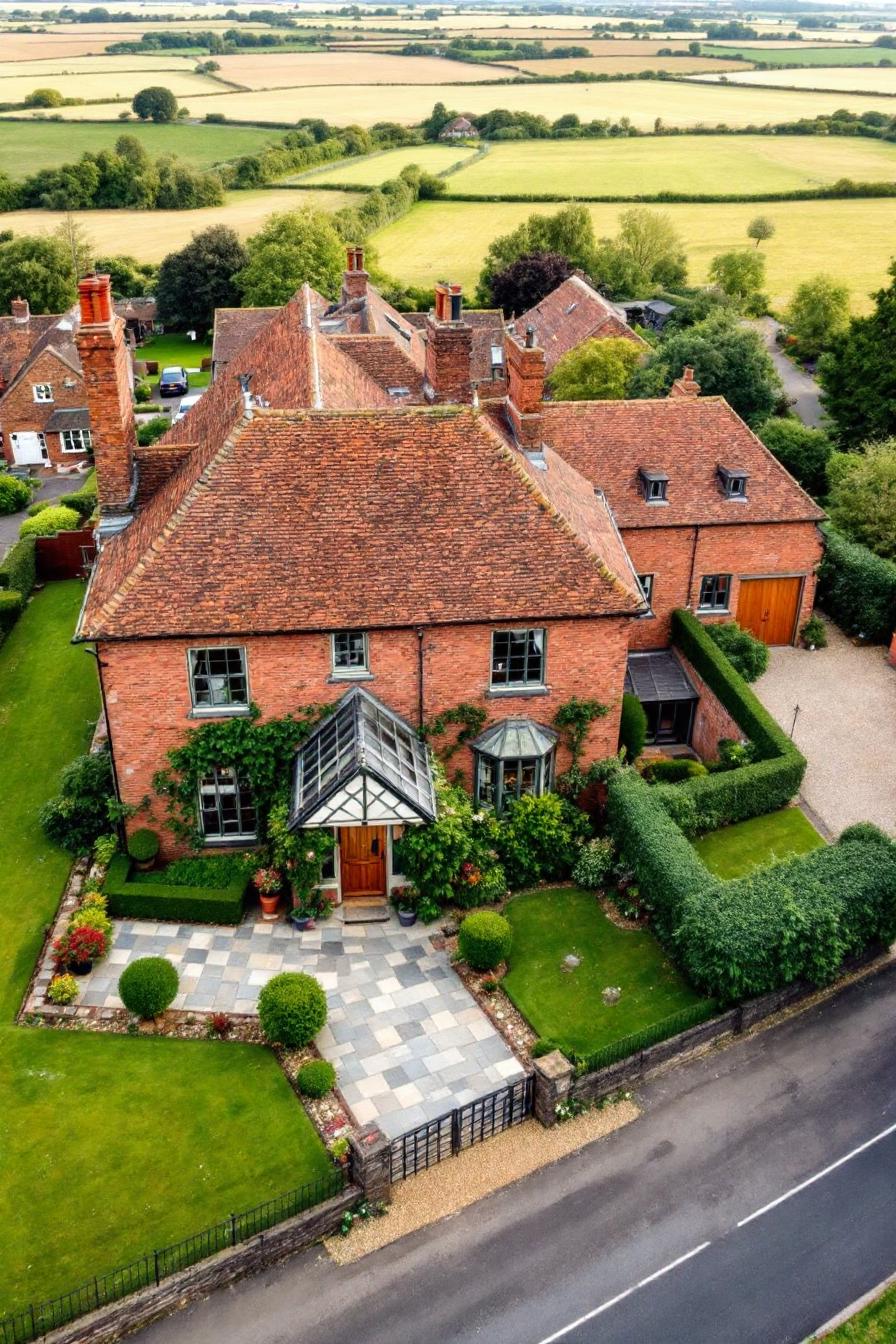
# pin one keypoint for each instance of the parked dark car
(173, 382)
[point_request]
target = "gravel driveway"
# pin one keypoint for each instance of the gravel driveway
(846, 727)
(801, 389)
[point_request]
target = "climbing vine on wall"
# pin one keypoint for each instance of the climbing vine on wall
(573, 721)
(470, 721)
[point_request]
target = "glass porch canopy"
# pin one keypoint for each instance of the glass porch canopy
(658, 676)
(362, 766)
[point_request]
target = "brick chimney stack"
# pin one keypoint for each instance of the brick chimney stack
(686, 385)
(20, 310)
(108, 379)
(525, 388)
(354, 281)
(449, 348)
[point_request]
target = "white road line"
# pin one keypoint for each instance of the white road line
(620, 1297)
(819, 1175)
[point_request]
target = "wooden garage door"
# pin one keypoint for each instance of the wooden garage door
(769, 608)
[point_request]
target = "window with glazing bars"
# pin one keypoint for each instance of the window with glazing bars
(349, 653)
(218, 678)
(714, 590)
(518, 658)
(226, 806)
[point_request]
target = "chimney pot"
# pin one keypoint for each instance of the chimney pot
(686, 385)
(449, 347)
(95, 300)
(354, 281)
(20, 310)
(530, 337)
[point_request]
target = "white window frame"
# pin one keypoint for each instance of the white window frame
(223, 781)
(350, 673)
(42, 392)
(201, 708)
(84, 444)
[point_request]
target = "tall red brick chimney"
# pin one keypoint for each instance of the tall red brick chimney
(108, 379)
(354, 281)
(21, 312)
(525, 388)
(686, 385)
(449, 348)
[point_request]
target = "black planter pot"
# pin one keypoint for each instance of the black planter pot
(81, 967)
(300, 921)
(407, 918)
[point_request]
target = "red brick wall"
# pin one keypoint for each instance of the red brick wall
(711, 719)
(108, 379)
(745, 550)
(19, 411)
(148, 696)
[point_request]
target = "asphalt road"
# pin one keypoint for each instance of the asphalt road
(636, 1240)
(802, 389)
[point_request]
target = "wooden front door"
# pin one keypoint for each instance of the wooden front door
(769, 607)
(362, 860)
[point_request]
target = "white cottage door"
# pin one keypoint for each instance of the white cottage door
(29, 448)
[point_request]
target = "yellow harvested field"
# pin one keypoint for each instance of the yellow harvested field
(625, 65)
(286, 70)
(40, 71)
(839, 79)
(853, 240)
(104, 84)
(150, 234)
(32, 46)
(677, 103)
(377, 168)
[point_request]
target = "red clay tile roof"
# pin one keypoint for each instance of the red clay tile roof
(386, 364)
(234, 329)
(21, 343)
(317, 520)
(687, 440)
(570, 314)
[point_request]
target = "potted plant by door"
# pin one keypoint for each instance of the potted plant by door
(268, 884)
(405, 901)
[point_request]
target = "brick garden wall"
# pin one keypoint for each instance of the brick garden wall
(711, 719)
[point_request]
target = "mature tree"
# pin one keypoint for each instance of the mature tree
(39, 269)
(294, 246)
(729, 360)
(858, 375)
(740, 275)
(596, 370)
(44, 98)
(130, 278)
(569, 232)
(862, 501)
(818, 314)
(527, 280)
(200, 278)
(438, 118)
(761, 229)
(803, 451)
(155, 104)
(646, 254)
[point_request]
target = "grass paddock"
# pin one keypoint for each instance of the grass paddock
(736, 850)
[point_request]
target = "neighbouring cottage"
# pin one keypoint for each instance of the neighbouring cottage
(44, 417)
(572, 313)
(316, 532)
(459, 128)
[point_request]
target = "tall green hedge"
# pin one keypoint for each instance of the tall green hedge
(710, 801)
(83, 501)
(857, 588)
(19, 567)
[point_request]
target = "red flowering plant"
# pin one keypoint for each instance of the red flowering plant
(267, 880)
(470, 873)
(80, 945)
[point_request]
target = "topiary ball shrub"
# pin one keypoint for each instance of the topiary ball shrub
(50, 521)
(672, 770)
(632, 727)
(594, 865)
(143, 846)
(746, 654)
(484, 940)
(292, 1009)
(14, 494)
(147, 986)
(316, 1078)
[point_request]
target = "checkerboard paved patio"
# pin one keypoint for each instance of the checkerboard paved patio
(406, 1038)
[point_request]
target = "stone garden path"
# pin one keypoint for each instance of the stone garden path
(406, 1038)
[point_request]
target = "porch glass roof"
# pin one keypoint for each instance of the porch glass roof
(363, 765)
(658, 676)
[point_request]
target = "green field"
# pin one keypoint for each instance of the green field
(853, 240)
(377, 168)
(26, 147)
(797, 53)
(692, 164)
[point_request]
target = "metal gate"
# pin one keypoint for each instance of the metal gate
(458, 1129)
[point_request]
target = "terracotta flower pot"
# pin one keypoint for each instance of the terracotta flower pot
(269, 904)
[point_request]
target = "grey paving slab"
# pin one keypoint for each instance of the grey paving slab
(406, 1038)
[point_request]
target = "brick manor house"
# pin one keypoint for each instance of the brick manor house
(389, 514)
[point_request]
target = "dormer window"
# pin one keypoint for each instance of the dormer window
(654, 484)
(497, 362)
(733, 482)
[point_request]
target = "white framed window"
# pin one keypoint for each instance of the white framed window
(42, 391)
(219, 681)
(350, 653)
(497, 362)
(518, 658)
(75, 440)
(226, 806)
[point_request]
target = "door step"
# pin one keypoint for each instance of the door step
(365, 912)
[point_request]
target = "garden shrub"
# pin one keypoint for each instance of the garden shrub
(480, 886)
(815, 632)
(632, 727)
(143, 845)
(216, 899)
(92, 917)
(484, 940)
(865, 832)
(38, 507)
(746, 654)
(14, 494)
(292, 1008)
(539, 838)
(316, 1078)
(431, 857)
(148, 986)
(594, 864)
(11, 604)
(857, 588)
(51, 521)
(672, 769)
(79, 813)
(63, 989)
(83, 501)
(18, 568)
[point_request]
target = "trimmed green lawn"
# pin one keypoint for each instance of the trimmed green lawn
(875, 1325)
(110, 1146)
(736, 850)
(175, 348)
(565, 1006)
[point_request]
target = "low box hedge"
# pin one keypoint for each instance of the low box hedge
(857, 588)
(132, 899)
(714, 800)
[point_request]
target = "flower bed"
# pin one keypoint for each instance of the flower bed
(148, 897)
